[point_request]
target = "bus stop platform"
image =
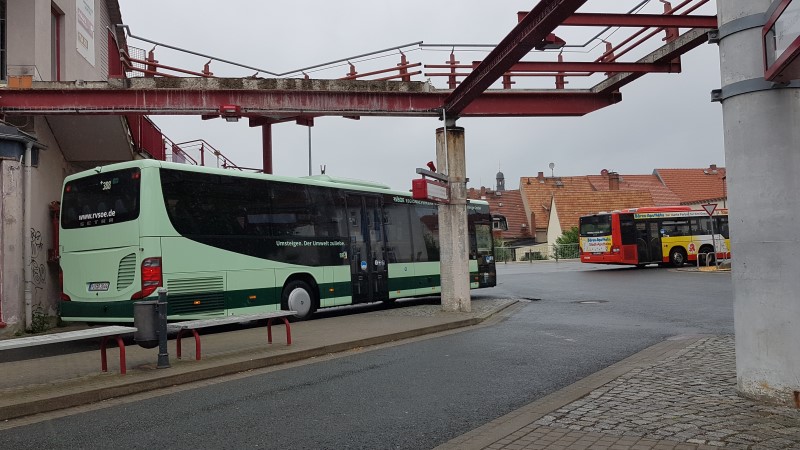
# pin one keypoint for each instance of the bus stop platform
(677, 394)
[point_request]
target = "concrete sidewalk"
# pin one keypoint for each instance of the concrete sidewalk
(678, 394)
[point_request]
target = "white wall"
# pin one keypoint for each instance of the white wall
(554, 225)
(29, 44)
(29, 40)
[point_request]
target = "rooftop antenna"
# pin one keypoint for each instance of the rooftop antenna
(551, 169)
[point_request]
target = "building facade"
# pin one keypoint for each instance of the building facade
(47, 40)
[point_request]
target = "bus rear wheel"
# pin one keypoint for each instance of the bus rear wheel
(298, 296)
(677, 257)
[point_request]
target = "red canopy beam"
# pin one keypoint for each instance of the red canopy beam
(684, 43)
(615, 67)
(641, 20)
(532, 30)
(636, 20)
(291, 103)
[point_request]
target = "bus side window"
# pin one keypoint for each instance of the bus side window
(628, 230)
(677, 228)
(701, 226)
(722, 227)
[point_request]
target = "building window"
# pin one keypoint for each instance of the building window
(56, 43)
(3, 44)
(499, 223)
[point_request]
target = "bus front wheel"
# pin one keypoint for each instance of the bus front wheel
(677, 257)
(297, 296)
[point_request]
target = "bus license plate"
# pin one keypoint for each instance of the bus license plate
(99, 286)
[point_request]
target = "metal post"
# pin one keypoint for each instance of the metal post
(163, 356)
(713, 242)
(266, 148)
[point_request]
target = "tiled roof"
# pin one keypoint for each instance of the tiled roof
(508, 204)
(571, 205)
(694, 185)
(537, 193)
(661, 194)
(580, 195)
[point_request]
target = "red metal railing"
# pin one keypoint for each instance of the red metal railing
(147, 137)
(204, 152)
(669, 21)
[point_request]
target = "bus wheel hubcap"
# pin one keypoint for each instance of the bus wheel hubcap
(299, 301)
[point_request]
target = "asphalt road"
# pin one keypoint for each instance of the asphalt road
(578, 320)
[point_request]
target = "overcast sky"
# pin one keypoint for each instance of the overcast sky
(664, 120)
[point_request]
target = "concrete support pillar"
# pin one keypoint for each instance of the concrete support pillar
(453, 232)
(762, 157)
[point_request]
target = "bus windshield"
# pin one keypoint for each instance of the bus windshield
(597, 225)
(101, 199)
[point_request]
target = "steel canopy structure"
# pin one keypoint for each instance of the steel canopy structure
(288, 99)
(267, 101)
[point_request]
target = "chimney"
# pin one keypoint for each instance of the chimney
(613, 181)
(540, 177)
(713, 167)
(604, 172)
(483, 192)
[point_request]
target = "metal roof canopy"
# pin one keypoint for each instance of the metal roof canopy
(533, 29)
(267, 101)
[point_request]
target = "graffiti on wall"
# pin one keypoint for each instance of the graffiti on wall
(39, 277)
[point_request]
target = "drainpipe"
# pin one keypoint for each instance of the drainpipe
(26, 226)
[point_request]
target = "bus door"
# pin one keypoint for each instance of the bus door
(483, 250)
(367, 244)
(648, 241)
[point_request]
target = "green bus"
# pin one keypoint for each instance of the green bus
(227, 242)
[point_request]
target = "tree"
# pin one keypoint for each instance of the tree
(566, 245)
(568, 237)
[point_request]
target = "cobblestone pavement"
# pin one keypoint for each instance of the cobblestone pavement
(685, 400)
(689, 397)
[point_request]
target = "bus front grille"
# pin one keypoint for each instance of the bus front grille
(126, 271)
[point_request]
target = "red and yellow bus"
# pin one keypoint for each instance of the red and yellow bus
(673, 235)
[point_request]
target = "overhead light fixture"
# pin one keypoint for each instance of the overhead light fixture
(231, 113)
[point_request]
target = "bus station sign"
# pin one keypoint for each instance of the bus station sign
(426, 189)
(781, 37)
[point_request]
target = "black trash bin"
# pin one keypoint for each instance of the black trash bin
(145, 319)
